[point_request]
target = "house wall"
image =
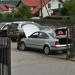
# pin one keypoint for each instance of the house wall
(12, 9)
(46, 11)
(54, 4)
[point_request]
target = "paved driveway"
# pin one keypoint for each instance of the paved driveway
(36, 63)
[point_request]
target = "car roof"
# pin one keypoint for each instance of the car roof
(4, 23)
(47, 31)
(21, 22)
(31, 23)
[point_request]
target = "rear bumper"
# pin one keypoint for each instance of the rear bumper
(60, 47)
(14, 35)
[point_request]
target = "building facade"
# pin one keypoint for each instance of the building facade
(51, 7)
(8, 5)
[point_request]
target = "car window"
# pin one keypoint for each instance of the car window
(5, 27)
(2, 24)
(43, 35)
(34, 35)
(13, 25)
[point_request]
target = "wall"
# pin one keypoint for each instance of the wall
(54, 5)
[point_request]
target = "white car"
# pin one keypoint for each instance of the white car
(44, 40)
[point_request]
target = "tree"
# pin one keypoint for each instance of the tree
(17, 15)
(69, 9)
(1, 15)
(8, 15)
(24, 11)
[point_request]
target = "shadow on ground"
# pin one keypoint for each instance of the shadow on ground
(53, 54)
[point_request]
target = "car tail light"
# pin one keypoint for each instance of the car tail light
(57, 44)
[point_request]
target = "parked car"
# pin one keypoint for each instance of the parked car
(16, 28)
(63, 34)
(30, 28)
(3, 33)
(44, 40)
(4, 25)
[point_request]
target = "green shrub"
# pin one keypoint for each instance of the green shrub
(7, 15)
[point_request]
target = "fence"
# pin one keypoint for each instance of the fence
(71, 50)
(5, 54)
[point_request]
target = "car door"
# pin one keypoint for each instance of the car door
(32, 40)
(42, 39)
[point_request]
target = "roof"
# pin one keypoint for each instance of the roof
(5, 7)
(36, 4)
(31, 2)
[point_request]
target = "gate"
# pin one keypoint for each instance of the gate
(71, 50)
(5, 54)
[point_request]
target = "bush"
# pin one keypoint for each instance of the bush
(1, 15)
(25, 11)
(69, 9)
(8, 15)
(17, 15)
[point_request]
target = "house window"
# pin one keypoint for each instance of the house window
(49, 5)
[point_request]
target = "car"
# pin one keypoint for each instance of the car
(43, 40)
(30, 28)
(4, 25)
(16, 28)
(63, 34)
(3, 33)
(35, 18)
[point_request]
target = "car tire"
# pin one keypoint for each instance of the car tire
(46, 50)
(22, 46)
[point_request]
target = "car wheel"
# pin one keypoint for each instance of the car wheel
(46, 50)
(21, 46)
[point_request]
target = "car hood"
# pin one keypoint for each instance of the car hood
(29, 29)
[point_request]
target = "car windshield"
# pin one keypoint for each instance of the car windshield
(14, 25)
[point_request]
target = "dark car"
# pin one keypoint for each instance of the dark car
(15, 29)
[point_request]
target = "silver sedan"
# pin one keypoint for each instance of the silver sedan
(44, 40)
